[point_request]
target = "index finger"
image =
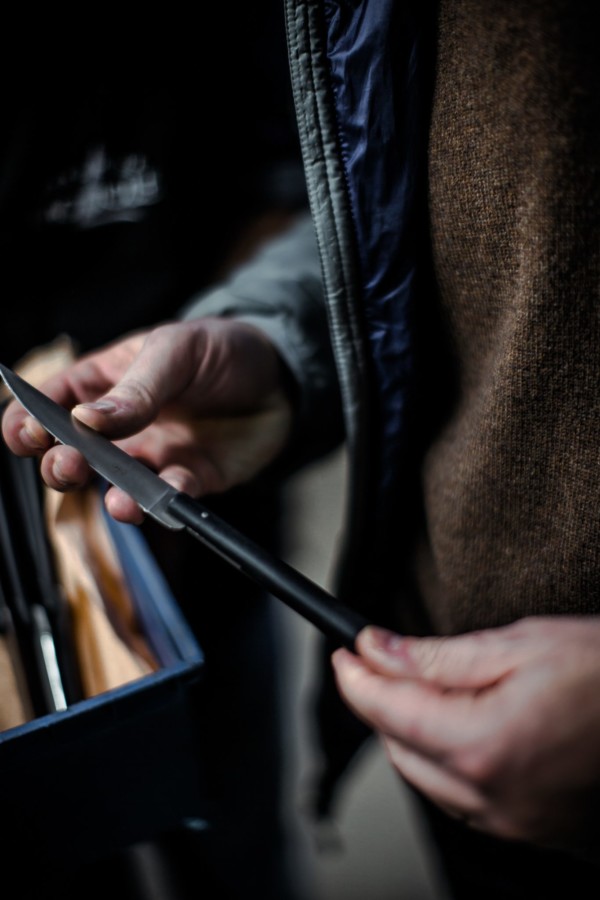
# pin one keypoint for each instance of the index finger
(23, 434)
(433, 721)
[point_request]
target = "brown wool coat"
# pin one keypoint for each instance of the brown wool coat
(511, 482)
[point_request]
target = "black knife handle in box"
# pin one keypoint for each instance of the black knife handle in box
(334, 619)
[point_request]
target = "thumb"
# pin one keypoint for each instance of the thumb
(473, 660)
(158, 374)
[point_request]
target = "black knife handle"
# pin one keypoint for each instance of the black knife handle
(334, 619)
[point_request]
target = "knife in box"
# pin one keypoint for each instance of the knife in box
(176, 510)
(32, 628)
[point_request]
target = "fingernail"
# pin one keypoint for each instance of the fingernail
(33, 434)
(384, 641)
(105, 406)
(388, 646)
(58, 473)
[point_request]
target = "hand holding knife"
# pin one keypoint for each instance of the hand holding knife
(176, 510)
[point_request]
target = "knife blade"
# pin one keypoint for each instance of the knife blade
(176, 510)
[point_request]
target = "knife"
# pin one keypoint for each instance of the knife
(32, 627)
(177, 511)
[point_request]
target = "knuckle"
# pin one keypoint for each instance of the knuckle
(159, 335)
(85, 371)
(430, 657)
(138, 393)
(479, 765)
